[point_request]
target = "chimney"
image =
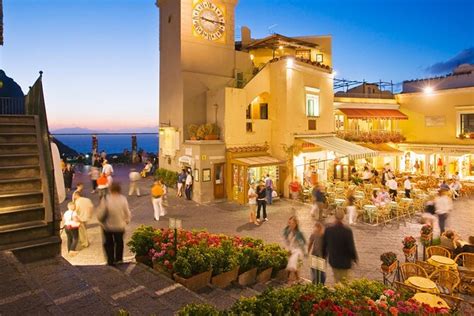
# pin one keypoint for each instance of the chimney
(245, 36)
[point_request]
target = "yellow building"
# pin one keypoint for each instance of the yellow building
(272, 99)
(440, 131)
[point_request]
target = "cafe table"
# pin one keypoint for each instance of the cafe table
(370, 210)
(422, 284)
(443, 262)
(431, 300)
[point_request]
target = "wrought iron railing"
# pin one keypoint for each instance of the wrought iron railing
(12, 105)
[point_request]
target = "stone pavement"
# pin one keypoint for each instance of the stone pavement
(230, 218)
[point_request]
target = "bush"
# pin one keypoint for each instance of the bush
(192, 261)
(198, 310)
(169, 178)
(142, 240)
(224, 258)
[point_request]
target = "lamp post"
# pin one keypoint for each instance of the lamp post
(175, 224)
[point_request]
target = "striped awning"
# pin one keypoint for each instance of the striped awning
(341, 148)
(374, 114)
(383, 149)
(258, 161)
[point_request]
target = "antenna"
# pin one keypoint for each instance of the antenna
(271, 27)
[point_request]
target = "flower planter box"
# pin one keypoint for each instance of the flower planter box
(426, 238)
(248, 277)
(159, 268)
(409, 251)
(281, 275)
(211, 137)
(145, 260)
(389, 269)
(225, 279)
(195, 282)
(265, 275)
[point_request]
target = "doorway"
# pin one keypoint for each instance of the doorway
(219, 185)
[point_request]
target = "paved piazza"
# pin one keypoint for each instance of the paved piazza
(231, 218)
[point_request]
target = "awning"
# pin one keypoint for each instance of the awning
(383, 149)
(258, 161)
(374, 113)
(185, 159)
(341, 147)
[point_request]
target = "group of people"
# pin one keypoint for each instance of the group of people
(185, 183)
(333, 244)
(259, 196)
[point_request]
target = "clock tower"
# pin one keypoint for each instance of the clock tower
(197, 54)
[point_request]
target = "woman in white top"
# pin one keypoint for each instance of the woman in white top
(253, 204)
(71, 227)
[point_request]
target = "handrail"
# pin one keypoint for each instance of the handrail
(35, 105)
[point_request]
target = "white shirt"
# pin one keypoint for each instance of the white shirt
(407, 184)
(366, 175)
(252, 196)
(69, 219)
(107, 169)
(443, 204)
(189, 179)
(392, 184)
(134, 176)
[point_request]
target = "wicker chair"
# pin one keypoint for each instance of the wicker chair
(465, 260)
(437, 251)
(428, 267)
(412, 269)
(446, 280)
(465, 263)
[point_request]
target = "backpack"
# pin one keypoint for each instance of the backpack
(157, 191)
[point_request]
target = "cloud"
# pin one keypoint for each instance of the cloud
(465, 56)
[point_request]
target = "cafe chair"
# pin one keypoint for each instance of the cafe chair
(465, 263)
(405, 288)
(428, 267)
(454, 302)
(447, 281)
(437, 251)
(412, 269)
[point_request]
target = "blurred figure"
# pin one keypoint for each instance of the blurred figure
(296, 243)
(295, 188)
(407, 186)
(79, 188)
(261, 201)
(351, 209)
(134, 177)
(188, 185)
(157, 193)
(84, 208)
(181, 182)
(269, 188)
(392, 188)
(94, 174)
(68, 176)
(114, 215)
(443, 206)
(147, 169)
(252, 204)
(315, 248)
(71, 227)
(319, 201)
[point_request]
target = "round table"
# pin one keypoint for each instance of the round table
(370, 210)
(443, 262)
(423, 284)
(431, 300)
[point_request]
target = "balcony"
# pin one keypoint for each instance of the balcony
(374, 136)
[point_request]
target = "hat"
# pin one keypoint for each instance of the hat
(339, 214)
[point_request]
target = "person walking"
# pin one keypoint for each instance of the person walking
(71, 227)
(94, 174)
(108, 170)
(181, 182)
(319, 200)
(84, 208)
(68, 176)
(315, 248)
(296, 242)
(261, 201)
(114, 215)
(351, 208)
(443, 206)
(407, 186)
(252, 204)
(295, 188)
(188, 185)
(134, 177)
(339, 247)
(392, 188)
(269, 188)
(157, 193)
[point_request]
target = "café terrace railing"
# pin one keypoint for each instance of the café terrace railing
(373, 136)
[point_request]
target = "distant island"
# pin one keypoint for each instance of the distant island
(81, 130)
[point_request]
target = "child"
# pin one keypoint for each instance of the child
(315, 248)
(71, 226)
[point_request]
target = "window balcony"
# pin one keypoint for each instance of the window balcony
(374, 136)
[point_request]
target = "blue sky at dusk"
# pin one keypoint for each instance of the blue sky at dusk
(100, 57)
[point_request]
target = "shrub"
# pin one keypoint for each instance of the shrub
(192, 261)
(170, 178)
(198, 310)
(142, 240)
(224, 258)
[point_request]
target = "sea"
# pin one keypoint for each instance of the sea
(112, 144)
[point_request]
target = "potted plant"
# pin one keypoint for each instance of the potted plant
(193, 267)
(389, 261)
(265, 264)
(213, 132)
(409, 245)
(279, 262)
(225, 264)
(247, 265)
(202, 131)
(192, 131)
(141, 241)
(426, 234)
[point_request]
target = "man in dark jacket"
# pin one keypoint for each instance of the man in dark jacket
(339, 247)
(319, 198)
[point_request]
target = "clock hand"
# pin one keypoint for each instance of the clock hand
(212, 21)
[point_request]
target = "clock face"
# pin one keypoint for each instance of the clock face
(208, 20)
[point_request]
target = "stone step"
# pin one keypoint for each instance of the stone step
(19, 171)
(20, 199)
(10, 119)
(17, 127)
(223, 299)
(20, 185)
(35, 250)
(18, 138)
(25, 231)
(18, 148)
(19, 159)
(24, 213)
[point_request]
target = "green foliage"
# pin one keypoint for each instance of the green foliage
(224, 258)
(142, 240)
(192, 130)
(192, 260)
(279, 256)
(170, 178)
(247, 259)
(388, 258)
(198, 310)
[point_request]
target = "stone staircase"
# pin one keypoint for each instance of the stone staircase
(26, 210)
(55, 287)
